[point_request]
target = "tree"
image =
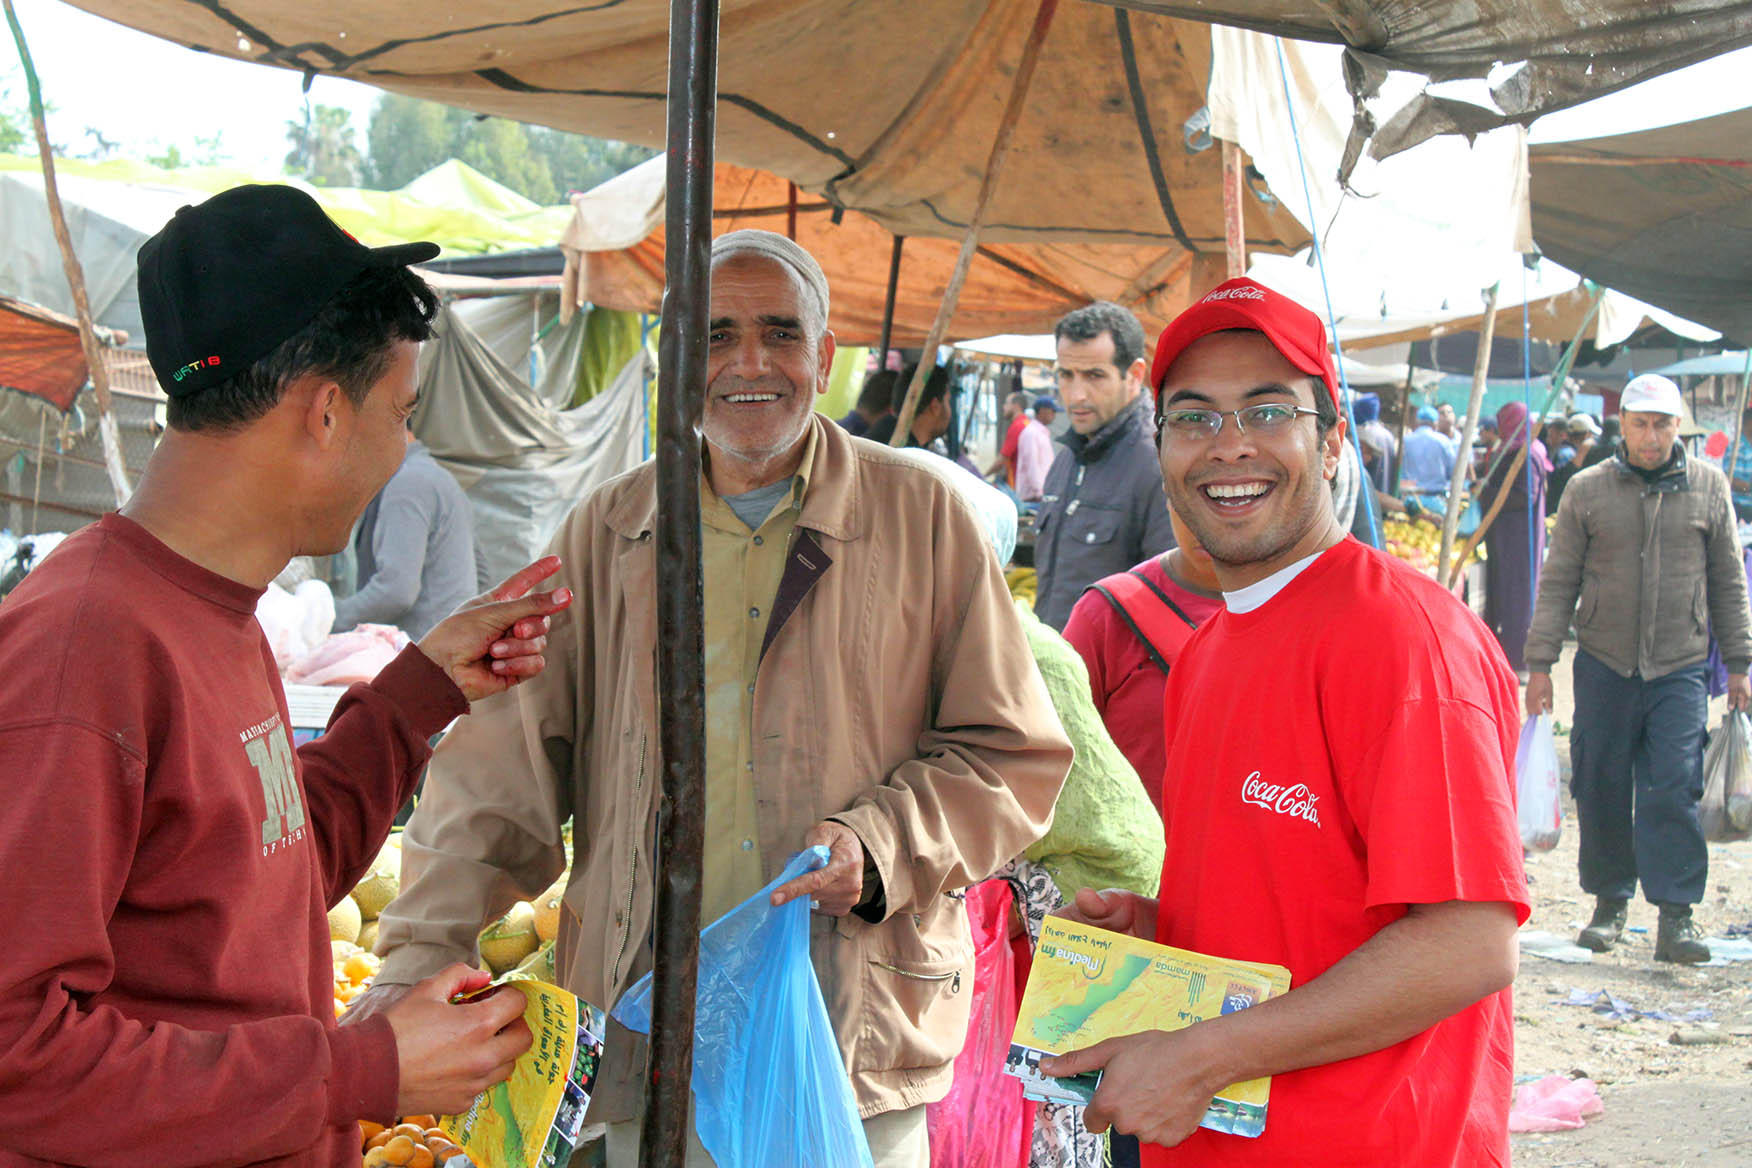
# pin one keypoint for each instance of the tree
(502, 151)
(579, 162)
(15, 127)
(322, 151)
(408, 137)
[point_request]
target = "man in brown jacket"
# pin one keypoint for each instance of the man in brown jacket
(1646, 542)
(868, 687)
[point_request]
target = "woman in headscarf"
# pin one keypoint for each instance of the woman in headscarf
(1515, 543)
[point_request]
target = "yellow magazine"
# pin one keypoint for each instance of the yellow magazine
(1088, 984)
(532, 1119)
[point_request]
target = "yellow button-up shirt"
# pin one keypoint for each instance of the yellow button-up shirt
(742, 570)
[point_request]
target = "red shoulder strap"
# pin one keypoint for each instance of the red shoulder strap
(1156, 620)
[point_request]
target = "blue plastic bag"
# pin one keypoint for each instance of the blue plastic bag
(769, 1088)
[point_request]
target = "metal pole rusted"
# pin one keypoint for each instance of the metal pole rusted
(994, 167)
(681, 643)
(888, 304)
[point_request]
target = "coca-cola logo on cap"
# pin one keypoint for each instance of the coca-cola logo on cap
(1241, 293)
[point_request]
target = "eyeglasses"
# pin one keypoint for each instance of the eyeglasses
(1203, 425)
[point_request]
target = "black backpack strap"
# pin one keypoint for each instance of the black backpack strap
(1163, 597)
(1156, 656)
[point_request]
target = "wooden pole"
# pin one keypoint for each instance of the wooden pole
(1404, 419)
(994, 167)
(1457, 482)
(1234, 236)
(106, 418)
(1739, 421)
(681, 640)
(1558, 377)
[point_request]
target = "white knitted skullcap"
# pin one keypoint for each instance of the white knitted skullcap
(750, 241)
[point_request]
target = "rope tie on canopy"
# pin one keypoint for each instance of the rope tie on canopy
(1365, 489)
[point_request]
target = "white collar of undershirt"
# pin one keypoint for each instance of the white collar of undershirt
(1256, 594)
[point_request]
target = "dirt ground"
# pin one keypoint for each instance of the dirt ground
(1666, 1104)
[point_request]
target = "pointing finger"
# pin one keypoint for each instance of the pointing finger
(521, 581)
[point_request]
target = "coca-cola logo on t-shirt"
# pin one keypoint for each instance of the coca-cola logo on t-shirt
(1294, 800)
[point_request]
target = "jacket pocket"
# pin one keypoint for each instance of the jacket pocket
(1700, 606)
(1093, 526)
(926, 1024)
(1590, 601)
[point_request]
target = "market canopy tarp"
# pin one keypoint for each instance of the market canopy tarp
(113, 207)
(1538, 55)
(1729, 364)
(889, 109)
(615, 256)
(1664, 215)
(40, 353)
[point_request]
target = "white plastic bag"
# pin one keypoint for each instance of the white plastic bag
(1537, 777)
(1726, 807)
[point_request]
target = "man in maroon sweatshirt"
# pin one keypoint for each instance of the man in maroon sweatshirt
(168, 858)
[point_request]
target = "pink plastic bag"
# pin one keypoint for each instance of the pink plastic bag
(984, 1122)
(1554, 1103)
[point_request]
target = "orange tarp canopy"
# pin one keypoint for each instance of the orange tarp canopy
(40, 353)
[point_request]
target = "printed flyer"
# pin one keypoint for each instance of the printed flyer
(1088, 984)
(532, 1119)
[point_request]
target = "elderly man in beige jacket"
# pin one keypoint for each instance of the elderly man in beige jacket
(868, 687)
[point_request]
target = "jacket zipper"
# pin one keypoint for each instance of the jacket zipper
(633, 877)
(1070, 509)
(953, 976)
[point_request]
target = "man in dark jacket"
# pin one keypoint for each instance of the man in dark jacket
(1647, 544)
(1102, 510)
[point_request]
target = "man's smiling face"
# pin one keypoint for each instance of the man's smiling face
(766, 361)
(1257, 502)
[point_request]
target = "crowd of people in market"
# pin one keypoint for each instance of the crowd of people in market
(1210, 729)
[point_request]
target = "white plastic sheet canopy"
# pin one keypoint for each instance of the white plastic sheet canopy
(1536, 55)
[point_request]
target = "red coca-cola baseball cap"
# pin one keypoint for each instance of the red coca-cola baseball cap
(1247, 304)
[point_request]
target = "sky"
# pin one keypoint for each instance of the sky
(147, 93)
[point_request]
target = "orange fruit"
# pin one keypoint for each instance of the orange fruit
(399, 1150)
(423, 1157)
(378, 1140)
(367, 1129)
(410, 1127)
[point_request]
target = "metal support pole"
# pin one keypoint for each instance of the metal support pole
(994, 167)
(888, 304)
(681, 713)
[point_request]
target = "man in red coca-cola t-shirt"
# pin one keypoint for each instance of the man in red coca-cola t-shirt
(1343, 745)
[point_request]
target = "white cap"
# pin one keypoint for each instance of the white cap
(1653, 394)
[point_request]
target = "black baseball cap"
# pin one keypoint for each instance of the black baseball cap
(226, 281)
